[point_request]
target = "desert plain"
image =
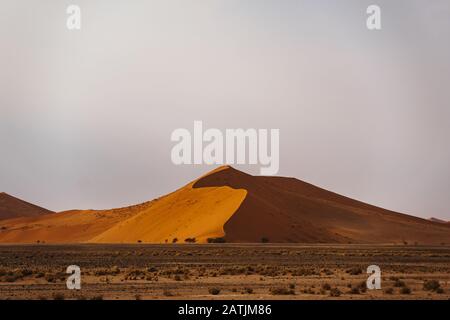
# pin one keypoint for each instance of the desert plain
(223, 271)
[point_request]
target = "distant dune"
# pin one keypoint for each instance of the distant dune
(12, 207)
(65, 227)
(232, 206)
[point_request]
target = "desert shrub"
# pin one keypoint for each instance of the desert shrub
(232, 270)
(354, 271)
(282, 291)
(335, 292)
(139, 241)
(25, 272)
(431, 285)
(167, 293)
(439, 290)
(49, 278)
(405, 290)
(177, 277)
(97, 297)
(135, 275)
(216, 240)
(58, 296)
(327, 271)
(104, 272)
(190, 240)
(305, 272)
(362, 286)
(308, 291)
(326, 286)
(214, 291)
(266, 271)
(292, 286)
(264, 240)
(354, 290)
(175, 240)
(152, 269)
(389, 291)
(248, 290)
(399, 284)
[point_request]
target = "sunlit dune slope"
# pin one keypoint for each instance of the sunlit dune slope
(187, 213)
(12, 207)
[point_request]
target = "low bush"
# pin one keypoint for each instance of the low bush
(431, 285)
(335, 292)
(405, 290)
(216, 240)
(214, 291)
(282, 291)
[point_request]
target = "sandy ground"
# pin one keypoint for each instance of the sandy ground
(223, 271)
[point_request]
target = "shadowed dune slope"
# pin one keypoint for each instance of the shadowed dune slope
(289, 210)
(12, 207)
(227, 203)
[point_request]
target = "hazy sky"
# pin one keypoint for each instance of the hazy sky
(86, 116)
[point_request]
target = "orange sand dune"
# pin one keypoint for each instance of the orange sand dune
(65, 227)
(238, 207)
(12, 207)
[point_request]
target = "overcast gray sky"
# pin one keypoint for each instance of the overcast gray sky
(86, 116)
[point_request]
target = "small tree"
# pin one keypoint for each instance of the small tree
(216, 240)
